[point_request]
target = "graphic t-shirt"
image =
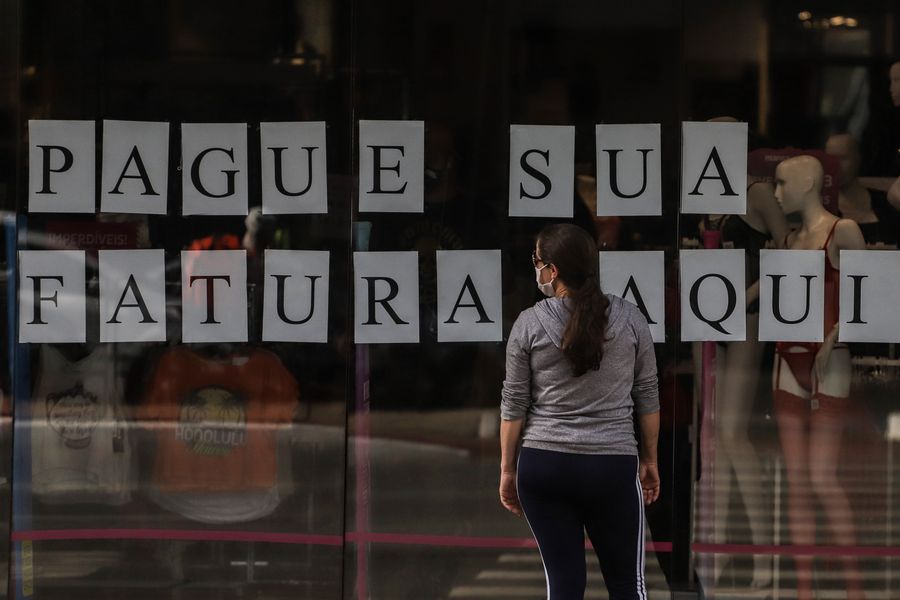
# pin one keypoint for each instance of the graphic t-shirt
(216, 420)
(80, 448)
(219, 507)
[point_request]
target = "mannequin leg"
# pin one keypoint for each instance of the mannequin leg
(736, 390)
(792, 415)
(723, 469)
(826, 430)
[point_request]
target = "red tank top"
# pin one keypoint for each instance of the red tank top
(832, 284)
(800, 355)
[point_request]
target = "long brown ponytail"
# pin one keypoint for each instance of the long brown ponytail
(574, 254)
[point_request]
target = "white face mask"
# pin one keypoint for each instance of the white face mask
(546, 288)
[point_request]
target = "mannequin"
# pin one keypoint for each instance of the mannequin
(894, 75)
(737, 370)
(811, 382)
(881, 139)
(868, 208)
(607, 230)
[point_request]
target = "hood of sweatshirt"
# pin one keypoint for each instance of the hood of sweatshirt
(553, 314)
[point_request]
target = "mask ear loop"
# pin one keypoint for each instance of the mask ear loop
(552, 278)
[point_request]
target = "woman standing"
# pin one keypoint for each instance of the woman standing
(578, 365)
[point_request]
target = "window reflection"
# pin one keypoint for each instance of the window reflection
(224, 468)
(776, 482)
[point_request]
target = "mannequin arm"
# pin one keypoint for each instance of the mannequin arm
(753, 293)
(761, 199)
(824, 352)
(893, 194)
(847, 236)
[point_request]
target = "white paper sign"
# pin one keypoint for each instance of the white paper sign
(386, 297)
(61, 166)
(541, 170)
(638, 277)
(294, 173)
(629, 171)
(214, 295)
(470, 299)
(214, 168)
(714, 168)
(135, 169)
(52, 304)
(869, 296)
(132, 295)
(392, 166)
(791, 295)
(295, 302)
(713, 295)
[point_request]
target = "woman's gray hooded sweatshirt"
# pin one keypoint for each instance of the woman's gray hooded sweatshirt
(590, 414)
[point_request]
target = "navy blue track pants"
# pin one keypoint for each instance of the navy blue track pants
(563, 495)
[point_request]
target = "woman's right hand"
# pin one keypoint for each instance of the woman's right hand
(649, 476)
(509, 496)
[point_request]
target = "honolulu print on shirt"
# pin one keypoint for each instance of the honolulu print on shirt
(73, 414)
(212, 421)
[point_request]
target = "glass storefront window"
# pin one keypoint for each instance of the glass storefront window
(256, 463)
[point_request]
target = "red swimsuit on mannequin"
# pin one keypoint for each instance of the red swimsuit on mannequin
(801, 356)
(810, 428)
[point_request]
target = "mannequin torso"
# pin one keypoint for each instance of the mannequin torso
(855, 203)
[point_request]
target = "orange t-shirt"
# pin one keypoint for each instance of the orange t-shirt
(217, 420)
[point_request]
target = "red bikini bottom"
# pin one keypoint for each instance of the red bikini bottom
(800, 363)
(791, 405)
